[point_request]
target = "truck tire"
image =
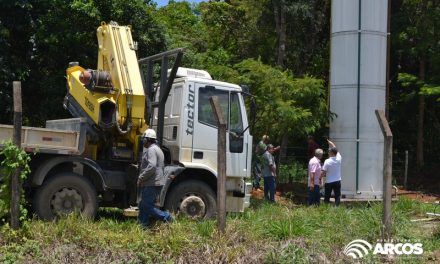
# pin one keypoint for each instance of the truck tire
(192, 198)
(64, 194)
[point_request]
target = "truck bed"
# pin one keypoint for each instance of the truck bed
(63, 136)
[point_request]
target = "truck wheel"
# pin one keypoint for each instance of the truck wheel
(192, 198)
(64, 194)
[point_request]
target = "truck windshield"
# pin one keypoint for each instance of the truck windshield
(230, 105)
(206, 116)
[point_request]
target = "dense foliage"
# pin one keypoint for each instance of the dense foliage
(415, 73)
(12, 158)
(279, 48)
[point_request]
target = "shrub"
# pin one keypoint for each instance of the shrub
(293, 172)
(13, 158)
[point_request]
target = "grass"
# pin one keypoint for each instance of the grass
(269, 233)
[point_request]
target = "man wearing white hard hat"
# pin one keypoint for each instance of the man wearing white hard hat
(151, 179)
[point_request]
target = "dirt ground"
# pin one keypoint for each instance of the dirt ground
(419, 196)
(259, 194)
(426, 180)
(414, 195)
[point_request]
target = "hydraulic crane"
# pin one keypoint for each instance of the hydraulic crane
(112, 96)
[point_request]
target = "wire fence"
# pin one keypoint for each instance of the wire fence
(294, 154)
(401, 163)
(293, 167)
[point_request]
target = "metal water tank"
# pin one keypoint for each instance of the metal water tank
(357, 89)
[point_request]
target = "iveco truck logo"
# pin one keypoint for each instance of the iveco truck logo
(190, 105)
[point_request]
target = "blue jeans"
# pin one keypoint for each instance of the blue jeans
(147, 206)
(314, 196)
(269, 188)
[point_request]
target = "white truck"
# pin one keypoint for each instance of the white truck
(90, 161)
(190, 134)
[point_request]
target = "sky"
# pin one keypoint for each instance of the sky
(165, 2)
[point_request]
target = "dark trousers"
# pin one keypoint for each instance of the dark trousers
(314, 196)
(147, 206)
(269, 188)
(257, 175)
(336, 187)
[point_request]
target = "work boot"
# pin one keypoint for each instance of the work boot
(169, 219)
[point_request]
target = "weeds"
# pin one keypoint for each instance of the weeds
(13, 158)
(289, 254)
(266, 232)
(205, 229)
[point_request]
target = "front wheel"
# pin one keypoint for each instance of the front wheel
(192, 198)
(64, 194)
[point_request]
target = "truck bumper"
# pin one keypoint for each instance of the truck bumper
(238, 204)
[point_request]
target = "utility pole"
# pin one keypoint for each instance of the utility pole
(221, 164)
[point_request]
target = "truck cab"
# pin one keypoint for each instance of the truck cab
(190, 135)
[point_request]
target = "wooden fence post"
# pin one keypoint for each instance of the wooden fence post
(15, 177)
(221, 164)
(387, 172)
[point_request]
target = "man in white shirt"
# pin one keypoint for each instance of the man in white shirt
(332, 171)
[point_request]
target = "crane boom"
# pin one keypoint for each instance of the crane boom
(112, 96)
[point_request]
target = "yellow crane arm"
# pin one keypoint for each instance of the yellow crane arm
(111, 96)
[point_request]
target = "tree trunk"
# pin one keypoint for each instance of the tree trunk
(421, 117)
(283, 147)
(280, 24)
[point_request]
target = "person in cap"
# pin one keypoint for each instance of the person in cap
(262, 146)
(151, 179)
(269, 173)
(260, 149)
(331, 170)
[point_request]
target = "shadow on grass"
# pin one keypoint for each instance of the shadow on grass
(112, 213)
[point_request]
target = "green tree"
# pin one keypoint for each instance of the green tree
(184, 30)
(286, 105)
(226, 28)
(295, 35)
(43, 36)
(16, 32)
(416, 40)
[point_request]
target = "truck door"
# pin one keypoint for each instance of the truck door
(205, 129)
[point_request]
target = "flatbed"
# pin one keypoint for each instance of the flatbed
(63, 136)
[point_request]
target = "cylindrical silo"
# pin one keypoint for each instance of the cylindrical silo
(357, 89)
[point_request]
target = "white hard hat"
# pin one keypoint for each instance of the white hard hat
(149, 133)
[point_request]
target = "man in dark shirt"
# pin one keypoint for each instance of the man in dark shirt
(151, 179)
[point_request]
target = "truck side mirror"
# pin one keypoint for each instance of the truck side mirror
(253, 112)
(245, 88)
